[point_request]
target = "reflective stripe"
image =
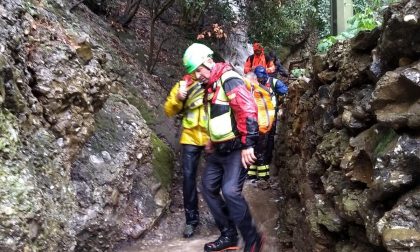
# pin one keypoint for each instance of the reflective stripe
(194, 114)
(250, 173)
(263, 174)
(263, 167)
(263, 170)
(220, 125)
(265, 99)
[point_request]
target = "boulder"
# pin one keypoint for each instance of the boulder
(360, 157)
(366, 40)
(396, 167)
(396, 98)
(400, 227)
(332, 148)
(117, 180)
(400, 37)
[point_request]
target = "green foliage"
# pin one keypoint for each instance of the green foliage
(274, 23)
(195, 13)
(298, 72)
(191, 11)
(323, 17)
(387, 137)
(220, 12)
(9, 134)
(366, 18)
(138, 102)
(362, 21)
(326, 43)
(162, 161)
(376, 5)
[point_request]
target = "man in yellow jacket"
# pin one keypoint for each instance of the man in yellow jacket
(186, 97)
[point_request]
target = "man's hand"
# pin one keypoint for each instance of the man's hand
(248, 157)
(182, 94)
(209, 147)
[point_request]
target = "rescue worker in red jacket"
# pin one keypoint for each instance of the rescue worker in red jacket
(233, 130)
(186, 97)
(259, 58)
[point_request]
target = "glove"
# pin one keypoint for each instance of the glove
(281, 88)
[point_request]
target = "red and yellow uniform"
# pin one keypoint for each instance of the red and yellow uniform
(232, 110)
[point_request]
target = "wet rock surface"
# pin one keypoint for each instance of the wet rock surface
(350, 156)
(79, 170)
(117, 191)
(263, 199)
(395, 100)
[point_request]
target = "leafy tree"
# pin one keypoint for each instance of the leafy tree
(361, 5)
(197, 15)
(192, 12)
(275, 22)
(365, 19)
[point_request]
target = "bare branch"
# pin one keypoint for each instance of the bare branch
(165, 6)
(157, 54)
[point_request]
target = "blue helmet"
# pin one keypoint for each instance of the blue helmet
(260, 72)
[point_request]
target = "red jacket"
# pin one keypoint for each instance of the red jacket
(259, 60)
(242, 104)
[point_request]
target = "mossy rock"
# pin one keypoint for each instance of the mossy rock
(385, 142)
(163, 159)
(9, 134)
(131, 94)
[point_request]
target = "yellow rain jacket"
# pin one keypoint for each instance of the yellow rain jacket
(194, 120)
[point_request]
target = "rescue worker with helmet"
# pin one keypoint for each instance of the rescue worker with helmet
(186, 97)
(233, 130)
(269, 89)
(259, 58)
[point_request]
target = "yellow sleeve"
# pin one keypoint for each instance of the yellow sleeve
(172, 105)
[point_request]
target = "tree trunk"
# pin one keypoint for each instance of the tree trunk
(129, 12)
(151, 45)
(156, 9)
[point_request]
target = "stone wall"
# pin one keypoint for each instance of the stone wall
(349, 162)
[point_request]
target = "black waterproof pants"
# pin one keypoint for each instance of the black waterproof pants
(225, 173)
(190, 158)
(265, 147)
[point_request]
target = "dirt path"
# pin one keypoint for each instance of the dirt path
(167, 237)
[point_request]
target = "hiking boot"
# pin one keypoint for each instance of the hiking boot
(266, 177)
(222, 243)
(189, 230)
(252, 178)
(255, 246)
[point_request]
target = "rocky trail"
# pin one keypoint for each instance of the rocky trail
(263, 199)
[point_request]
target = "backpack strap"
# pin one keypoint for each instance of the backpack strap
(272, 82)
(267, 58)
(251, 59)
